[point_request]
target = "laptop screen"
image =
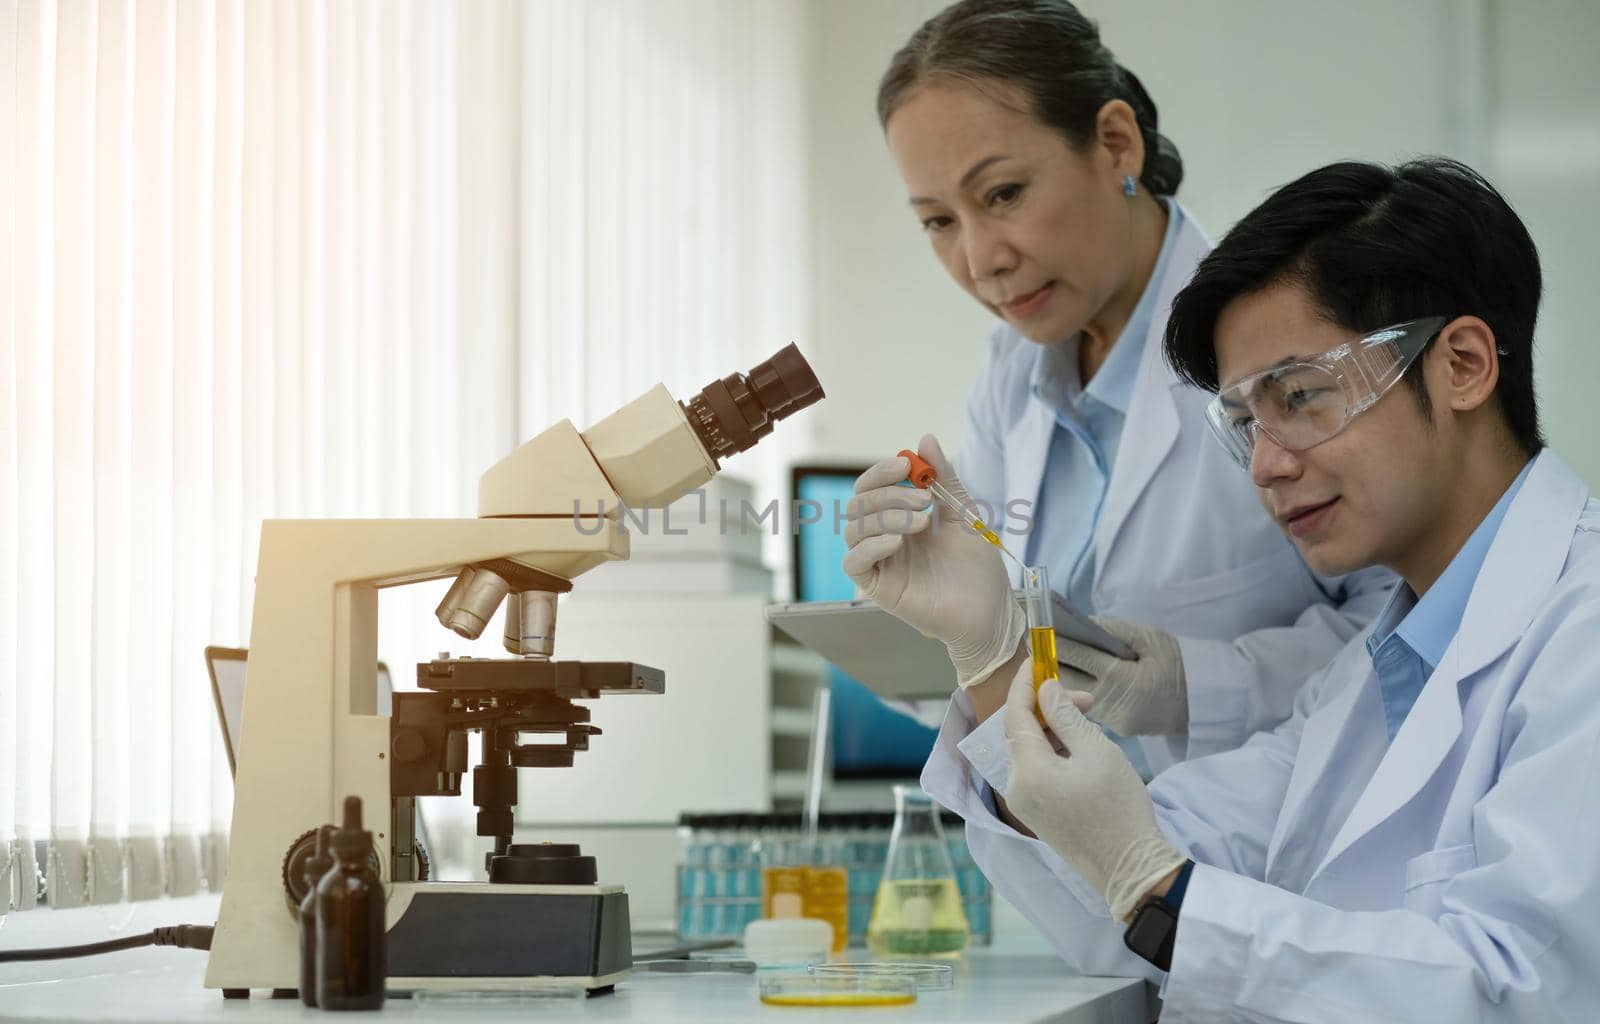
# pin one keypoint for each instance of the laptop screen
(226, 666)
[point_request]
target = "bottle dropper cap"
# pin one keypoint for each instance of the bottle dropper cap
(351, 840)
(321, 859)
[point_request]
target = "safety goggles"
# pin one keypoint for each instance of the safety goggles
(1301, 404)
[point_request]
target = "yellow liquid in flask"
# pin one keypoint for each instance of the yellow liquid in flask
(918, 917)
(823, 894)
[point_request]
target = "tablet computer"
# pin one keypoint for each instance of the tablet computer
(892, 659)
(1074, 625)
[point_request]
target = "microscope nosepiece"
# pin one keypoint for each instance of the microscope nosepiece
(732, 414)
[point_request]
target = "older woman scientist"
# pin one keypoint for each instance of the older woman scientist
(1033, 163)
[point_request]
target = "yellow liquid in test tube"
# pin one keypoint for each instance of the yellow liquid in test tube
(1043, 641)
(1041, 630)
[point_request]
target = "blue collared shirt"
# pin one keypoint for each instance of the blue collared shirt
(1083, 446)
(1409, 638)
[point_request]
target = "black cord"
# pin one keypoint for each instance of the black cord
(184, 936)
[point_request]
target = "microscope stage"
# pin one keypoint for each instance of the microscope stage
(574, 680)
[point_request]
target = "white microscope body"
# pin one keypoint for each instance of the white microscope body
(312, 735)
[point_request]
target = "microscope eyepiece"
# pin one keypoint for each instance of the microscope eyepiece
(732, 414)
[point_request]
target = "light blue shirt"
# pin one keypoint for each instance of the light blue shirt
(1083, 446)
(1409, 638)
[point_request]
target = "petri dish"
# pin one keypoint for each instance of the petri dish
(928, 977)
(527, 997)
(764, 964)
(815, 990)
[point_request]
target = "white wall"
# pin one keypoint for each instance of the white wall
(1254, 93)
(897, 343)
(1543, 148)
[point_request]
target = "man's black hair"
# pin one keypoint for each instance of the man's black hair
(1374, 246)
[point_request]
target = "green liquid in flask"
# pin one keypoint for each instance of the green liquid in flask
(918, 917)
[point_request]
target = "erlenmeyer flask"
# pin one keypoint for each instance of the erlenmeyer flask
(918, 908)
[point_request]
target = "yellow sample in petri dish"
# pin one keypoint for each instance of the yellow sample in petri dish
(807, 990)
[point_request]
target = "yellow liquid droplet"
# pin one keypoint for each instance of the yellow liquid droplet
(839, 999)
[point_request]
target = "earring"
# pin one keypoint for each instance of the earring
(1128, 186)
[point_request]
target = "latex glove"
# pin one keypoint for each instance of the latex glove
(920, 563)
(1087, 803)
(1148, 697)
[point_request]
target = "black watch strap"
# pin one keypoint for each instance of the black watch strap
(1154, 929)
(1152, 933)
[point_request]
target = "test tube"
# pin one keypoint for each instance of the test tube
(1041, 629)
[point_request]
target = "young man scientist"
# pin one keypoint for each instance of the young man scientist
(1419, 841)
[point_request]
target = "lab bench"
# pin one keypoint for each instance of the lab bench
(166, 985)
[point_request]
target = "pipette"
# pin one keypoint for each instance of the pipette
(923, 475)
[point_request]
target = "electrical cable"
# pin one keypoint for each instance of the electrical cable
(184, 936)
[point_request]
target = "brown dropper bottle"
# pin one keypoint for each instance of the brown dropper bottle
(317, 865)
(351, 961)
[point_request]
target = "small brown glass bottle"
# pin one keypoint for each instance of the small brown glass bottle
(351, 960)
(316, 866)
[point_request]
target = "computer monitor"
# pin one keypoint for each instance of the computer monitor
(869, 739)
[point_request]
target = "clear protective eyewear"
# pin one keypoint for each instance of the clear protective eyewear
(1301, 404)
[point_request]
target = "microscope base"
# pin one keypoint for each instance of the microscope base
(462, 935)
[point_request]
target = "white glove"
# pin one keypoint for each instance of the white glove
(929, 569)
(1148, 697)
(1086, 803)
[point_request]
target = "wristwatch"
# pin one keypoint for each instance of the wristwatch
(1154, 927)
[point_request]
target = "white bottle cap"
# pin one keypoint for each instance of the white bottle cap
(789, 940)
(787, 904)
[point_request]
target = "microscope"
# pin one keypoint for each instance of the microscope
(312, 735)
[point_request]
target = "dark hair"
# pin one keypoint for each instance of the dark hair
(1373, 246)
(1050, 51)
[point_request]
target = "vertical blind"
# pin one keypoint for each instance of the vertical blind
(265, 258)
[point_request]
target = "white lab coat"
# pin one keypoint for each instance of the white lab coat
(1182, 542)
(1453, 875)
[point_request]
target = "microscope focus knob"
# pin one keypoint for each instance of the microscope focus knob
(300, 851)
(294, 883)
(409, 746)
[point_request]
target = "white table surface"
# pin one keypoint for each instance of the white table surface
(166, 985)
